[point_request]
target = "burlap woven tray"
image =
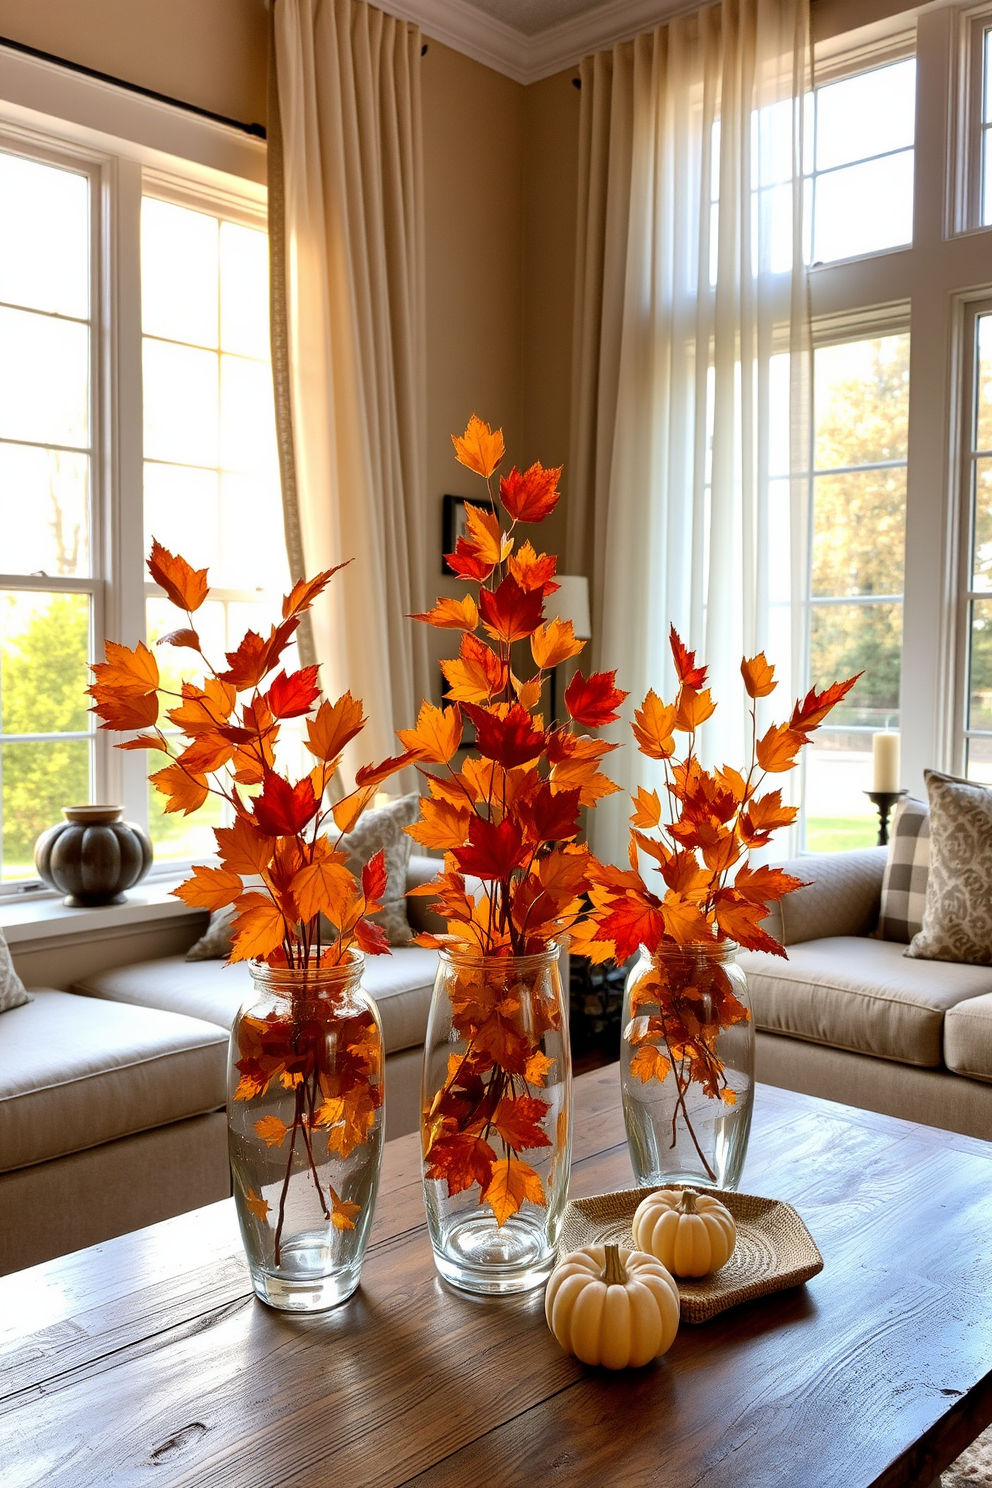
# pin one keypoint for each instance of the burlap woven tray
(774, 1249)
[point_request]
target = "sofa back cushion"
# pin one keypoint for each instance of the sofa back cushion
(841, 896)
(904, 887)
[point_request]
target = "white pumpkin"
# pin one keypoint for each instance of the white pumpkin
(612, 1306)
(690, 1233)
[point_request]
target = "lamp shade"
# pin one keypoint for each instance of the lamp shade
(572, 603)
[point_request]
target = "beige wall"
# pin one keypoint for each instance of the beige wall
(208, 52)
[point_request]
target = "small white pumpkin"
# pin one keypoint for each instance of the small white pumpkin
(690, 1233)
(612, 1306)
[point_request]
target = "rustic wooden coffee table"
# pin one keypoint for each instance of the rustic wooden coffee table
(148, 1361)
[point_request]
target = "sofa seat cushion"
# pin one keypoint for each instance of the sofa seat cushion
(968, 1038)
(75, 1073)
(401, 984)
(858, 993)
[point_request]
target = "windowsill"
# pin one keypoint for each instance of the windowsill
(45, 917)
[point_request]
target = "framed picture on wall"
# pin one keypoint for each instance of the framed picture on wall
(456, 523)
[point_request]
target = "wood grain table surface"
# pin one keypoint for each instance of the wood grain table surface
(147, 1360)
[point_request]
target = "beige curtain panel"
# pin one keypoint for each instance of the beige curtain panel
(690, 404)
(347, 234)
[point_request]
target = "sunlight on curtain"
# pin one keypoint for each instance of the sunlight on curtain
(691, 384)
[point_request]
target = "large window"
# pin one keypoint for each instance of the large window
(133, 337)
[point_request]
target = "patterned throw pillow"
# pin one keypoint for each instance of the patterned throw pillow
(12, 993)
(957, 919)
(382, 828)
(904, 885)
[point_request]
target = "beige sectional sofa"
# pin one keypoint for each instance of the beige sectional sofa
(854, 1019)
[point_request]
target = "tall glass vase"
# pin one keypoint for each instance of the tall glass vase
(496, 1119)
(305, 1126)
(687, 1065)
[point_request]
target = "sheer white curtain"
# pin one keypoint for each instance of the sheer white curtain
(347, 234)
(689, 498)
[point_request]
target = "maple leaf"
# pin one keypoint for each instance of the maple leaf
(649, 1064)
(494, 851)
(283, 809)
(467, 562)
(370, 775)
(759, 677)
(480, 448)
(185, 793)
(811, 712)
(442, 825)
(517, 1119)
(291, 697)
(477, 674)
(271, 1131)
(550, 816)
(185, 586)
(534, 570)
(693, 709)
(258, 929)
(764, 815)
(372, 939)
(683, 920)
(510, 613)
(686, 670)
(126, 671)
(243, 848)
(325, 887)
(123, 710)
(593, 701)
(248, 663)
(209, 888)
(461, 1160)
(630, 924)
(766, 886)
(554, 643)
(653, 724)
(452, 614)
(347, 811)
(207, 753)
(740, 920)
(778, 748)
(536, 1068)
(143, 741)
(334, 726)
(343, 1212)
(484, 533)
(647, 808)
(305, 591)
(528, 693)
(257, 1205)
(508, 737)
(374, 877)
(437, 735)
(512, 1182)
(183, 638)
(532, 496)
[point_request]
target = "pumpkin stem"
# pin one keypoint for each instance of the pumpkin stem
(688, 1204)
(614, 1270)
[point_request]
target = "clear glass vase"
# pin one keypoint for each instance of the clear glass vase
(305, 1128)
(687, 1065)
(496, 1119)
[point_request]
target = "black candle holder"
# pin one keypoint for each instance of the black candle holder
(884, 801)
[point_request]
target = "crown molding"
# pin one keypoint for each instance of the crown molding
(527, 59)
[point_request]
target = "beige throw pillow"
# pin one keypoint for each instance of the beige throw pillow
(957, 916)
(12, 993)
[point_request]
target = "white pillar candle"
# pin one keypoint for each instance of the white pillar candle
(885, 758)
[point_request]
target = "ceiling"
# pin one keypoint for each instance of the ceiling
(533, 16)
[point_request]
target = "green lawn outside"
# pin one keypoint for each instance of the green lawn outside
(839, 833)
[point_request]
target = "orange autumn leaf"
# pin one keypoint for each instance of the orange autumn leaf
(347, 811)
(511, 1184)
(271, 1131)
(207, 753)
(534, 570)
(765, 885)
(485, 534)
(443, 826)
(185, 586)
(528, 694)
(143, 741)
(476, 675)
(554, 643)
(693, 709)
(243, 848)
(654, 722)
(536, 1068)
(248, 663)
(649, 1063)
(461, 1160)
(123, 711)
(437, 735)
(334, 726)
(209, 888)
(778, 748)
(258, 929)
(452, 614)
(479, 448)
(305, 591)
(257, 1205)
(343, 1212)
(326, 887)
(517, 1121)
(185, 793)
(759, 677)
(126, 671)
(647, 809)
(810, 713)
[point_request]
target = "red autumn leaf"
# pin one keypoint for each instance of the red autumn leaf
(518, 1122)
(371, 938)
(630, 924)
(532, 496)
(494, 851)
(811, 712)
(593, 701)
(305, 591)
(461, 1160)
(686, 670)
(248, 664)
(370, 775)
(510, 739)
(534, 570)
(468, 562)
(759, 677)
(550, 817)
(511, 613)
(184, 637)
(374, 877)
(185, 586)
(291, 697)
(479, 448)
(283, 810)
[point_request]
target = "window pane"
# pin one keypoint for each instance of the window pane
(837, 770)
(982, 550)
(859, 532)
(180, 395)
(253, 538)
(987, 109)
(244, 290)
(44, 379)
(980, 760)
(248, 434)
(175, 836)
(38, 780)
(178, 273)
(862, 402)
(986, 179)
(44, 649)
(181, 510)
(44, 511)
(872, 113)
(176, 663)
(864, 208)
(44, 237)
(980, 689)
(849, 638)
(983, 385)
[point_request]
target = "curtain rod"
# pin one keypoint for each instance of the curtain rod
(256, 130)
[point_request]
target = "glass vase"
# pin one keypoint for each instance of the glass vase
(305, 1128)
(687, 1065)
(496, 1119)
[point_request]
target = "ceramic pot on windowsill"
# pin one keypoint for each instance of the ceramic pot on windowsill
(93, 856)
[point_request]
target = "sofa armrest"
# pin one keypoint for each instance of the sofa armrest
(842, 896)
